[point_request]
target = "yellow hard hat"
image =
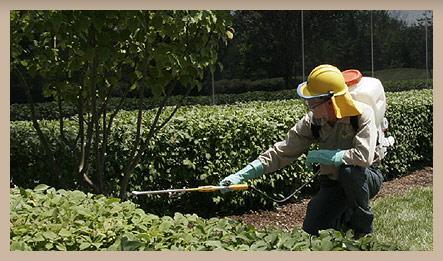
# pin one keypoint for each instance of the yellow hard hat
(327, 81)
(322, 80)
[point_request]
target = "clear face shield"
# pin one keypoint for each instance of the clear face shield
(314, 103)
(319, 116)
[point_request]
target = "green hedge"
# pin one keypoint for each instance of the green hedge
(236, 86)
(48, 219)
(406, 85)
(410, 116)
(50, 110)
(203, 144)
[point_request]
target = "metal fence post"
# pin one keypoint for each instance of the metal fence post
(302, 46)
(372, 48)
(426, 43)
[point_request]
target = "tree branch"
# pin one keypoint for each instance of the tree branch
(177, 106)
(61, 122)
(118, 108)
(136, 158)
(35, 123)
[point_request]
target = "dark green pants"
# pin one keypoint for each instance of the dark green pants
(344, 203)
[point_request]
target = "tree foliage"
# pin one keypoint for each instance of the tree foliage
(86, 55)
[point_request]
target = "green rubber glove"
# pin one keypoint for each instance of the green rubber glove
(325, 157)
(252, 170)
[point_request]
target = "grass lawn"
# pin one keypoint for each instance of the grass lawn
(406, 220)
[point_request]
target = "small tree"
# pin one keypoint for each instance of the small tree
(84, 55)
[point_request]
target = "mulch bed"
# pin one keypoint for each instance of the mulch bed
(289, 216)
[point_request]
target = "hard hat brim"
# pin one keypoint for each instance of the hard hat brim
(304, 92)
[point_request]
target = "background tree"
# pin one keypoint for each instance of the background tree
(85, 55)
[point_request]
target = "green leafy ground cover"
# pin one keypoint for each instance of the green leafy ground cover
(49, 219)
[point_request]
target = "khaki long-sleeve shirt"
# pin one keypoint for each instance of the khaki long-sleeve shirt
(359, 146)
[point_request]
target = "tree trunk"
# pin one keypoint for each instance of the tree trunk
(87, 144)
(134, 155)
(50, 156)
(98, 156)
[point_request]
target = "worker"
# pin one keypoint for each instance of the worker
(345, 132)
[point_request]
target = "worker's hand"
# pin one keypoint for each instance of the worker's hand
(325, 157)
(252, 170)
(232, 179)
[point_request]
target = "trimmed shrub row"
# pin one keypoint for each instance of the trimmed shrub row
(235, 86)
(203, 144)
(268, 92)
(50, 111)
(406, 85)
(48, 219)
